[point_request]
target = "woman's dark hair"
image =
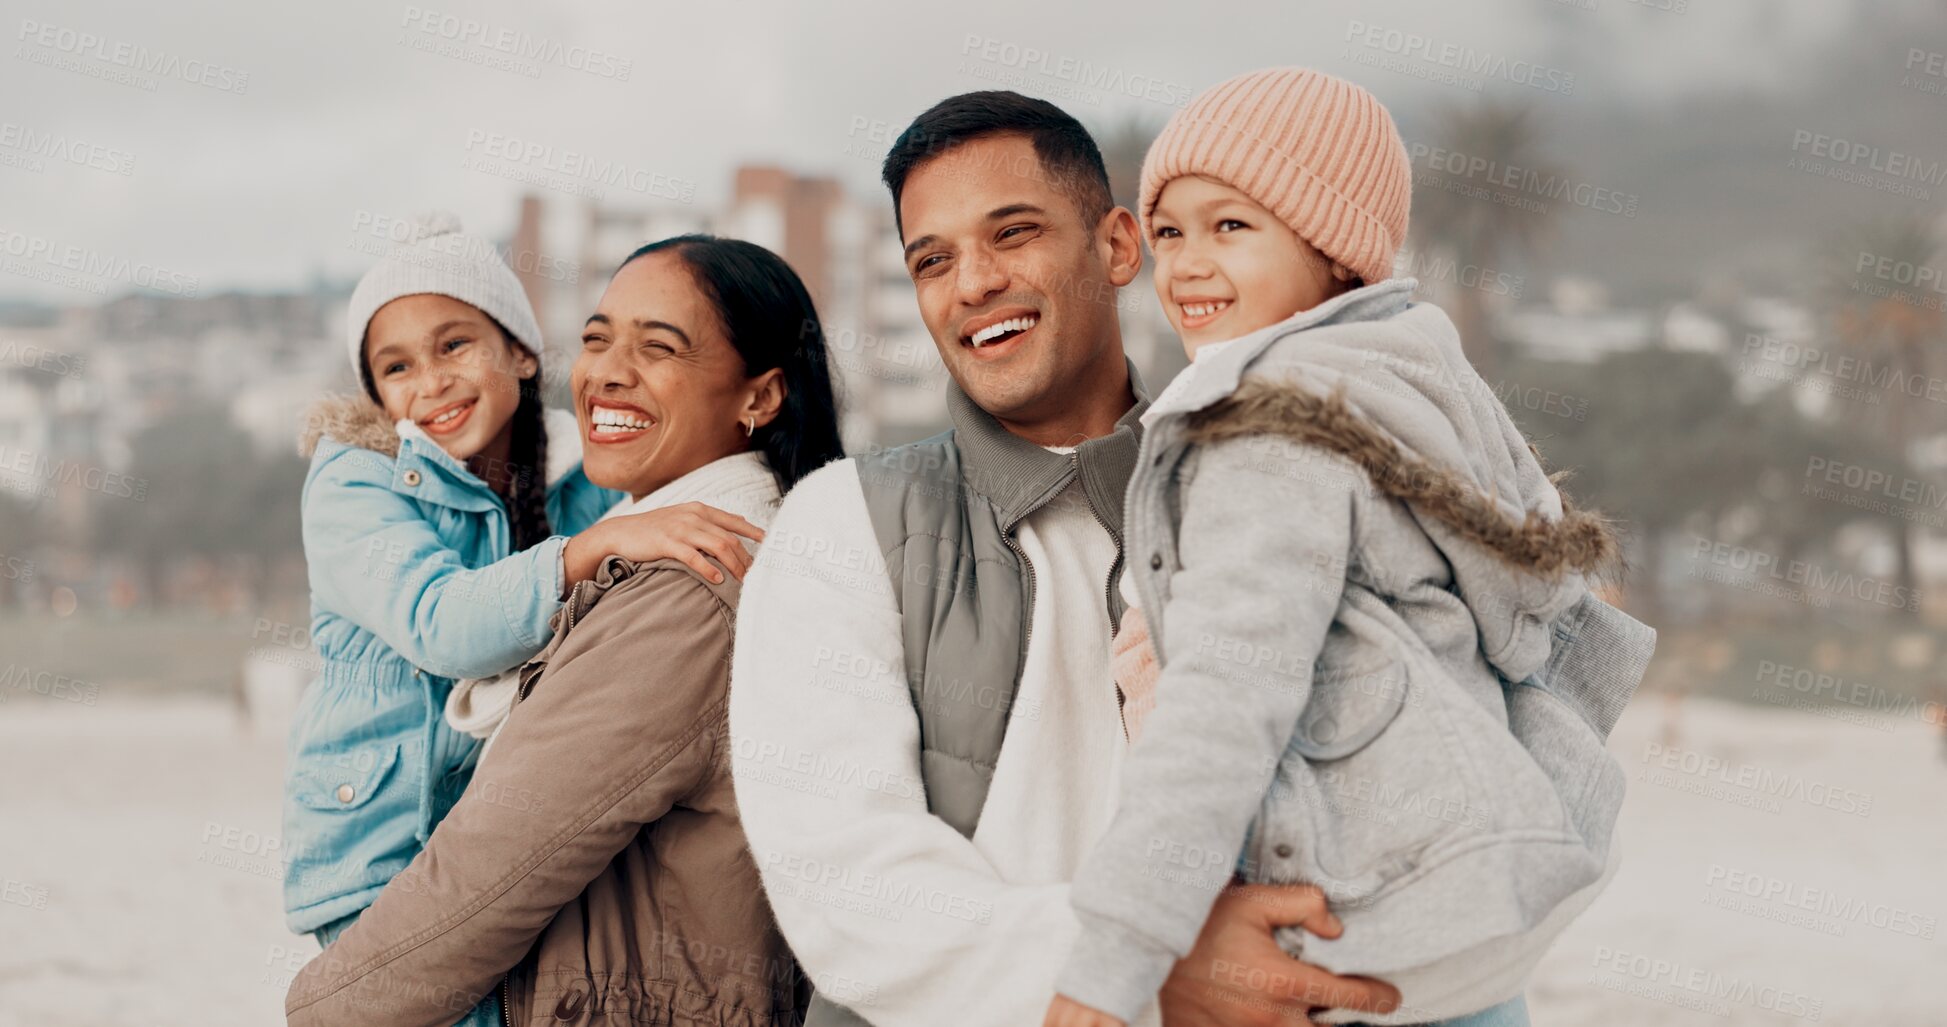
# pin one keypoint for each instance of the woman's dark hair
(527, 453)
(770, 319)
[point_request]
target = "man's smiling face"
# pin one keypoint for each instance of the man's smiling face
(1011, 278)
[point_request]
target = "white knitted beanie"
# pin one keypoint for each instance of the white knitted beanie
(436, 257)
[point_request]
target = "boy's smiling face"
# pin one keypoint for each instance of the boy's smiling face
(1225, 266)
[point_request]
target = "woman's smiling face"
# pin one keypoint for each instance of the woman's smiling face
(1225, 266)
(659, 389)
(446, 366)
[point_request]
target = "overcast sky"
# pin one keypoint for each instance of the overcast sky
(343, 112)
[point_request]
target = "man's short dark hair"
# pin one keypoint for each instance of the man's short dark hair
(1067, 152)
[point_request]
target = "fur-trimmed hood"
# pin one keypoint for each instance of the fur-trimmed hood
(1570, 540)
(357, 421)
(352, 420)
(1381, 380)
(1397, 397)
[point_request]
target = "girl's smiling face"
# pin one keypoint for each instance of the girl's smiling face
(1225, 266)
(447, 367)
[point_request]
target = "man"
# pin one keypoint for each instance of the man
(926, 730)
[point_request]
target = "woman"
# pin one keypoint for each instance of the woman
(447, 467)
(595, 870)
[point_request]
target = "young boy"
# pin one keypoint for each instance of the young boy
(1364, 592)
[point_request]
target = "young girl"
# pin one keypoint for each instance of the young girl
(1381, 670)
(445, 518)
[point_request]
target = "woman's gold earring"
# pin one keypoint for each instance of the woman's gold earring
(750, 425)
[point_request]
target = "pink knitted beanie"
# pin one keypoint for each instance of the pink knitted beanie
(1319, 152)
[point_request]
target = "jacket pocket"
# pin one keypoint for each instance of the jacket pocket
(345, 779)
(349, 815)
(352, 790)
(1349, 708)
(1372, 777)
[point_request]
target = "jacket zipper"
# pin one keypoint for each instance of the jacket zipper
(1108, 594)
(1027, 615)
(506, 1003)
(574, 605)
(1121, 713)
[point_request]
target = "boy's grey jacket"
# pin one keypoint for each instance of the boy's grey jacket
(1336, 700)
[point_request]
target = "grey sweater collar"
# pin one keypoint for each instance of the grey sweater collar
(1018, 477)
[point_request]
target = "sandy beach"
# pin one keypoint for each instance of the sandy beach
(1778, 868)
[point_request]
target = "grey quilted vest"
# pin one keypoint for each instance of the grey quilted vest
(944, 511)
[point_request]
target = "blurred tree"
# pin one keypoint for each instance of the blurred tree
(208, 495)
(1470, 229)
(1791, 521)
(1890, 327)
(1664, 440)
(276, 535)
(1665, 443)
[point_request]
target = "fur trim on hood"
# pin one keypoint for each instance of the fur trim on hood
(352, 420)
(357, 421)
(1580, 540)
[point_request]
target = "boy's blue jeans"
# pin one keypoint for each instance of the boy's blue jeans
(486, 1014)
(1512, 1013)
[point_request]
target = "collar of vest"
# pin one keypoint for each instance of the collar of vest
(1018, 477)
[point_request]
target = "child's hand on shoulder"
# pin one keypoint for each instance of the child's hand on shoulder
(1066, 1012)
(686, 532)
